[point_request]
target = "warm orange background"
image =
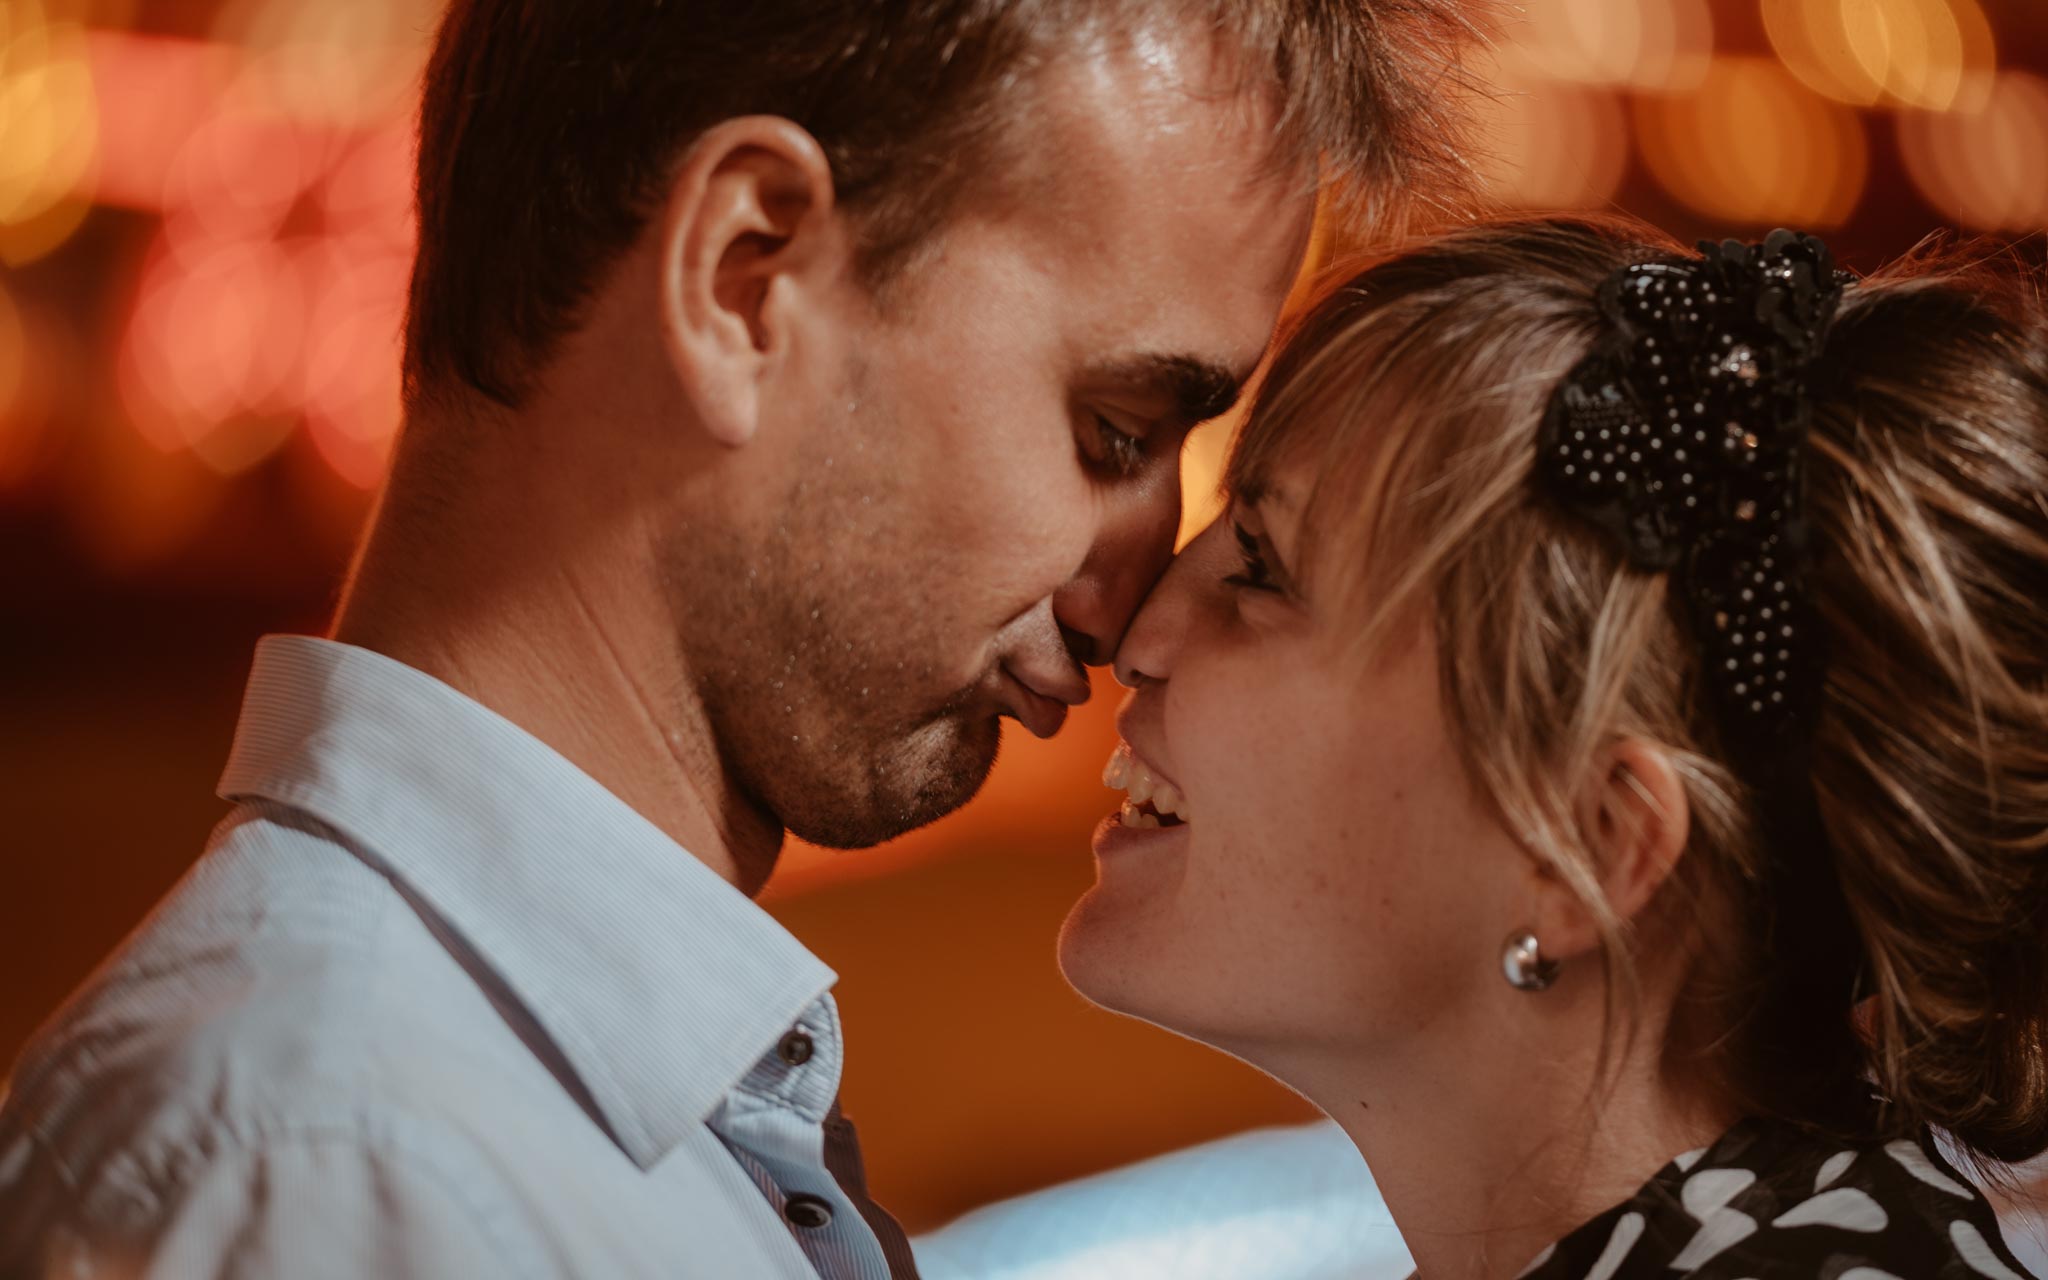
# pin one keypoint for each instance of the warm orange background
(203, 242)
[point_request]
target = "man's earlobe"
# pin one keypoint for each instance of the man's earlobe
(748, 233)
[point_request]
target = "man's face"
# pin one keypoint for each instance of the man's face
(982, 479)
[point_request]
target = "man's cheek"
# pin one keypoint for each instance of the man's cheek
(1015, 511)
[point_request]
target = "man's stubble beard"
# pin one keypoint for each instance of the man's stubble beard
(817, 647)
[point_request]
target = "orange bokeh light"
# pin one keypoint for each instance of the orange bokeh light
(1986, 167)
(1663, 44)
(353, 64)
(275, 294)
(351, 365)
(239, 176)
(1553, 145)
(1754, 146)
(214, 339)
(153, 92)
(1931, 54)
(48, 131)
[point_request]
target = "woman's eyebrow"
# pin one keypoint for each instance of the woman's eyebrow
(1263, 492)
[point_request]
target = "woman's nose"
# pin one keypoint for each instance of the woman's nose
(1152, 643)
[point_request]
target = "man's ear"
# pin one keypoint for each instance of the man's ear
(749, 237)
(1634, 821)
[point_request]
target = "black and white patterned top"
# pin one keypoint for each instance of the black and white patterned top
(1772, 1202)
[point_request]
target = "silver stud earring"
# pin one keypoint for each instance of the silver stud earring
(1523, 965)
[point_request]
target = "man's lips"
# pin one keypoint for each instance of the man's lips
(1040, 715)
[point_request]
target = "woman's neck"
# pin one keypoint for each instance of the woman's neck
(1486, 1158)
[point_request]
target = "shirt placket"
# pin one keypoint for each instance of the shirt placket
(781, 1124)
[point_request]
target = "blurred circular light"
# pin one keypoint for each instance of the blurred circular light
(1918, 53)
(370, 190)
(1809, 39)
(1754, 146)
(1554, 146)
(1583, 40)
(153, 94)
(347, 64)
(1678, 46)
(356, 446)
(1985, 168)
(1649, 43)
(214, 342)
(47, 132)
(351, 366)
(238, 177)
(276, 296)
(1980, 56)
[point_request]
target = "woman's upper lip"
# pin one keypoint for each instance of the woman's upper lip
(1142, 758)
(1136, 721)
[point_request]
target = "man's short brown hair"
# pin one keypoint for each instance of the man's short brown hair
(549, 131)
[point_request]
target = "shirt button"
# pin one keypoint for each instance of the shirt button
(796, 1049)
(807, 1212)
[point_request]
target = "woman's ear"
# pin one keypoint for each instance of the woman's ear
(749, 240)
(1634, 821)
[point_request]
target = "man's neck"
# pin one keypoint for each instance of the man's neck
(1486, 1160)
(480, 586)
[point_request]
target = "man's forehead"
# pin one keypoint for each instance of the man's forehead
(1164, 220)
(1166, 112)
(1156, 226)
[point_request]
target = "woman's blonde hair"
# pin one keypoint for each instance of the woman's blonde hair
(1413, 393)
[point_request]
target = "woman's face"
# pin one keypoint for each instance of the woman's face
(1337, 886)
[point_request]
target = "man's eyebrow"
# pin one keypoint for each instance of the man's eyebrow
(1198, 389)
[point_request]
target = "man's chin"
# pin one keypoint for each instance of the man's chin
(932, 774)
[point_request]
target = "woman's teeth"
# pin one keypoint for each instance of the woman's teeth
(1125, 773)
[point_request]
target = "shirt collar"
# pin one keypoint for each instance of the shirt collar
(662, 984)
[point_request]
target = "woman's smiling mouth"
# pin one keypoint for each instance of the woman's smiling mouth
(1149, 800)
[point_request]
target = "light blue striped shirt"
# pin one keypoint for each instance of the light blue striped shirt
(435, 1003)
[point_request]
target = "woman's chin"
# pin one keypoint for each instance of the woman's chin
(1099, 956)
(1130, 944)
(1125, 961)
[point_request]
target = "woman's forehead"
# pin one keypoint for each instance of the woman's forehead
(1270, 467)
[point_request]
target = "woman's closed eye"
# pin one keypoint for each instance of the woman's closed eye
(1257, 573)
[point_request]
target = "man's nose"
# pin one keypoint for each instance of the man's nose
(1096, 607)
